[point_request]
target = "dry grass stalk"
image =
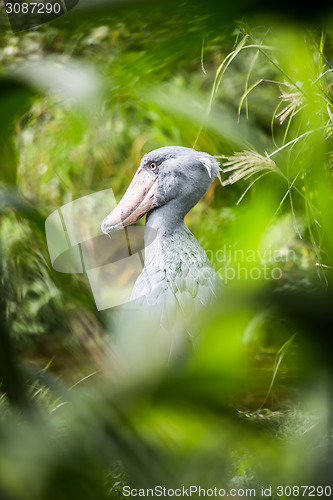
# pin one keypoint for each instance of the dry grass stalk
(244, 164)
(295, 100)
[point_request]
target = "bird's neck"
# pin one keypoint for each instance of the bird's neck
(165, 220)
(164, 229)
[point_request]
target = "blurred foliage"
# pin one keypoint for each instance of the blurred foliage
(82, 99)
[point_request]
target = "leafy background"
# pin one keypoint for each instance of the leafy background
(82, 99)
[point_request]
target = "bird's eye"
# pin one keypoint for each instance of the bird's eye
(153, 166)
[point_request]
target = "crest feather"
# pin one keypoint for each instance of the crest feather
(211, 165)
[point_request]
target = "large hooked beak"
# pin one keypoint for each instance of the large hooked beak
(136, 202)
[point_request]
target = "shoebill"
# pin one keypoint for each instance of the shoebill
(177, 279)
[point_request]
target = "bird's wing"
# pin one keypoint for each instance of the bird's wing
(175, 294)
(194, 283)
